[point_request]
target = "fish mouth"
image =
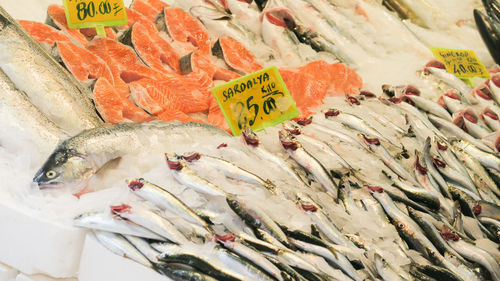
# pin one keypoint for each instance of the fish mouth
(49, 185)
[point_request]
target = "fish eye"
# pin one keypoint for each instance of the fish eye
(50, 174)
(400, 225)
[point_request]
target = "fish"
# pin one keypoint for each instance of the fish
(164, 200)
(229, 169)
(242, 265)
(201, 265)
(182, 27)
(453, 175)
(250, 254)
(490, 117)
(255, 217)
(183, 174)
(236, 56)
(308, 162)
(427, 106)
(475, 254)
(184, 274)
(44, 34)
(148, 8)
(483, 156)
(451, 101)
(326, 148)
(339, 260)
(437, 69)
(373, 144)
(21, 115)
(153, 50)
(117, 244)
(251, 140)
(353, 122)
(109, 223)
(150, 220)
(74, 161)
(385, 270)
(113, 107)
(185, 93)
(468, 121)
(47, 84)
(455, 131)
(144, 247)
(277, 36)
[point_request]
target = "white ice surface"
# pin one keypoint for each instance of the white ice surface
(100, 264)
(7, 273)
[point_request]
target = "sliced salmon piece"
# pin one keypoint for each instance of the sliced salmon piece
(309, 84)
(225, 74)
(82, 63)
(151, 48)
(215, 116)
(108, 101)
(196, 62)
(148, 8)
(188, 93)
(134, 16)
(57, 18)
(43, 33)
(235, 55)
(115, 108)
(182, 27)
(123, 63)
(171, 115)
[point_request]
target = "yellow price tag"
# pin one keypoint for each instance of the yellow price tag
(95, 13)
(461, 63)
(257, 100)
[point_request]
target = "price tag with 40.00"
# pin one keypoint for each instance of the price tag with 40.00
(95, 13)
(462, 63)
(257, 100)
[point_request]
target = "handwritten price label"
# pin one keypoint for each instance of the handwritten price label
(95, 13)
(258, 100)
(461, 63)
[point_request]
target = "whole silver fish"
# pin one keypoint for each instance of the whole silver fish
(105, 222)
(339, 260)
(150, 220)
(353, 122)
(253, 143)
(184, 175)
(18, 113)
(306, 160)
(48, 85)
(78, 158)
(252, 255)
(450, 128)
(144, 247)
(428, 106)
(229, 169)
(478, 255)
(486, 159)
(120, 246)
(164, 200)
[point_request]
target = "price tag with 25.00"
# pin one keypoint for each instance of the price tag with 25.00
(257, 100)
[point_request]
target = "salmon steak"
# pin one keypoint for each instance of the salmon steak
(43, 33)
(236, 56)
(182, 27)
(153, 50)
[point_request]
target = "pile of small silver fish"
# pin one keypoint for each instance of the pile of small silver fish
(441, 197)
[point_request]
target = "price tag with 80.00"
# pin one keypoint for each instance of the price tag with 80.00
(95, 13)
(257, 100)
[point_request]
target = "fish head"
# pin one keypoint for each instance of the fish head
(65, 168)
(332, 112)
(293, 129)
(368, 141)
(279, 16)
(249, 137)
(191, 156)
(288, 141)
